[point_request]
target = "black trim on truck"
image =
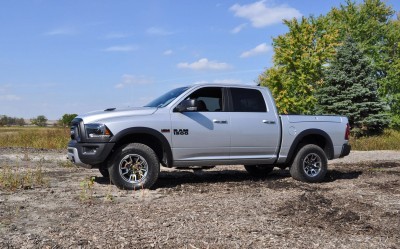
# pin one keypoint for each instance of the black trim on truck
(166, 158)
(328, 145)
(92, 153)
(345, 150)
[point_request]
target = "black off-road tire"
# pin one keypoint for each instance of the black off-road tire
(134, 166)
(259, 170)
(310, 164)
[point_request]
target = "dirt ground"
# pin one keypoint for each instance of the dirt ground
(358, 206)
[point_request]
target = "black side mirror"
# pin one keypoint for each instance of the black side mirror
(188, 105)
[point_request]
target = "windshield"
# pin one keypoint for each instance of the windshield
(167, 98)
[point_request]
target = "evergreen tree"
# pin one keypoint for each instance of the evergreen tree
(350, 89)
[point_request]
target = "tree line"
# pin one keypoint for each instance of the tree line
(40, 121)
(346, 62)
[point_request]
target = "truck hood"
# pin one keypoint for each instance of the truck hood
(96, 116)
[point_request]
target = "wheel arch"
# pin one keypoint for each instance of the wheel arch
(148, 136)
(312, 136)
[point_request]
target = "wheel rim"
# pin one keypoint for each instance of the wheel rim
(312, 165)
(133, 168)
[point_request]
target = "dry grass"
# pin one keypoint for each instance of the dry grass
(34, 137)
(57, 138)
(389, 140)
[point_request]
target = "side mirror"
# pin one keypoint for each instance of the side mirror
(188, 105)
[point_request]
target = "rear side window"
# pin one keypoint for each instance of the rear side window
(247, 100)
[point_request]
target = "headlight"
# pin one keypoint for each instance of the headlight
(97, 131)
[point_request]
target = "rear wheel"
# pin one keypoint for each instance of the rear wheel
(310, 164)
(134, 166)
(259, 170)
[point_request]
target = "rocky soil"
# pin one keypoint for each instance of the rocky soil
(358, 206)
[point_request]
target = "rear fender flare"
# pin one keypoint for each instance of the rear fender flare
(328, 143)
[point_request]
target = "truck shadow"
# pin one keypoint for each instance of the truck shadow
(276, 180)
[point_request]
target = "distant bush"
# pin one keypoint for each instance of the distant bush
(40, 121)
(9, 121)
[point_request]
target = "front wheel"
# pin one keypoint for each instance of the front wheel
(310, 164)
(134, 166)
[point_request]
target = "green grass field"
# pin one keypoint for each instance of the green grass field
(57, 138)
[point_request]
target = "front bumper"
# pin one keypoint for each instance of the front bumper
(73, 156)
(88, 154)
(345, 150)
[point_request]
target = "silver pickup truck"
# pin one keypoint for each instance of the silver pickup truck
(201, 126)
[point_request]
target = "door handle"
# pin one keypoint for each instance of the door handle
(220, 121)
(268, 121)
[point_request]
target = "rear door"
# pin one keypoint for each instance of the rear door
(255, 130)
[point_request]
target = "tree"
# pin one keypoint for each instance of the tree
(20, 122)
(371, 25)
(298, 61)
(40, 121)
(9, 121)
(302, 53)
(390, 86)
(350, 89)
(66, 119)
(3, 120)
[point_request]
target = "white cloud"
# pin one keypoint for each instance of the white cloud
(158, 31)
(168, 52)
(262, 14)
(62, 31)
(131, 80)
(10, 97)
(260, 49)
(204, 64)
(238, 28)
(124, 48)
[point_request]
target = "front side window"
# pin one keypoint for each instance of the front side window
(210, 99)
(247, 100)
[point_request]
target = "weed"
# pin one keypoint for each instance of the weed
(109, 196)
(12, 178)
(66, 164)
(87, 186)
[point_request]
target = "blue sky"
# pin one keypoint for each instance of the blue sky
(64, 56)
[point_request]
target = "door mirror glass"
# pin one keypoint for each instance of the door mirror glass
(188, 105)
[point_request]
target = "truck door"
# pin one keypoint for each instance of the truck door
(202, 134)
(255, 129)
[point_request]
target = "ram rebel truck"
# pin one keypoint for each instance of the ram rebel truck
(201, 126)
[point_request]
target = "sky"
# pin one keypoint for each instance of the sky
(71, 56)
